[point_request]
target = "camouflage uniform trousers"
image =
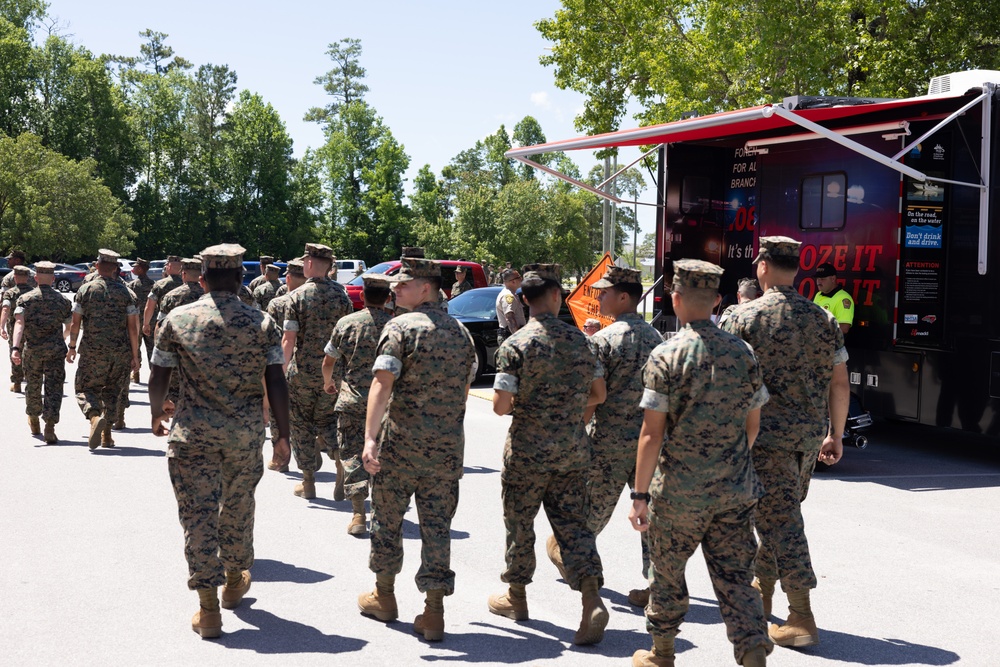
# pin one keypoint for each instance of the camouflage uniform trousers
(563, 494)
(214, 487)
(100, 376)
(351, 438)
(610, 472)
(16, 372)
(783, 551)
(436, 500)
(44, 368)
(728, 545)
(313, 422)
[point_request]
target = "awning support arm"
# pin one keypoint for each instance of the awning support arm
(984, 171)
(937, 127)
(628, 166)
(558, 174)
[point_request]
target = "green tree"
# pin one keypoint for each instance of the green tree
(344, 83)
(54, 207)
(432, 224)
(18, 19)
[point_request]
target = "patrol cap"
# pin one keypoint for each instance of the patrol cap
(412, 251)
(375, 280)
(537, 274)
(191, 264)
(22, 270)
(826, 270)
(223, 256)
(139, 261)
(697, 274)
(416, 267)
(509, 274)
(778, 246)
(319, 251)
(108, 256)
(173, 258)
(41, 267)
(17, 254)
(460, 269)
(618, 275)
(295, 267)
(272, 268)
(266, 259)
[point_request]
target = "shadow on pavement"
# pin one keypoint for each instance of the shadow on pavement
(411, 531)
(118, 450)
(267, 570)
(478, 470)
(844, 647)
(274, 635)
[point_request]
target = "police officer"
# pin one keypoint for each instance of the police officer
(10, 296)
(549, 370)
(110, 347)
(462, 282)
(425, 362)
(265, 291)
(803, 362)
(831, 297)
(220, 348)
(42, 318)
(702, 399)
(141, 287)
(510, 313)
(310, 315)
(347, 374)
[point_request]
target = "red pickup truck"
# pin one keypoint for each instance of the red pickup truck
(474, 272)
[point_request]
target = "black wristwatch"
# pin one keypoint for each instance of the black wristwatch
(635, 495)
(15, 348)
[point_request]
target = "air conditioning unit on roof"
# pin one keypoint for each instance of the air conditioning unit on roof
(957, 83)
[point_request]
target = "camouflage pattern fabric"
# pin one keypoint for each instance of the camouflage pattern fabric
(45, 313)
(351, 439)
(141, 287)
(422, 442)
(798, 344)
(105, 352)
(264, 292)
(705, 381)
(460, 287)
(187, 293)
(160, 289)
(9, 300)
(311, 312)
(8, 282)
(436, 500)
(727, 314)
(257, 282)
(549, 367)
(281, 291)
(246, 296)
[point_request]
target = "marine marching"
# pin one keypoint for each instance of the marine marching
(715, 431)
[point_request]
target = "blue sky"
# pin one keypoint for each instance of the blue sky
(442, 74)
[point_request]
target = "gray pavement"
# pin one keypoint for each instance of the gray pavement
(904, 538)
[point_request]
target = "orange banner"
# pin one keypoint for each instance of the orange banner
(582, 301)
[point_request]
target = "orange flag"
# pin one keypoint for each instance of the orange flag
(582, 301)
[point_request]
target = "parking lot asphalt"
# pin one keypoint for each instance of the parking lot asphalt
(904, 539)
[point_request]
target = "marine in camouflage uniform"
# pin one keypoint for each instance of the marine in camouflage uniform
(43, 316)
(746, 291)
(266, 290)
(549, 375)
(347, 372)
(462, 282)
(10, 296)
(162, 287)
(109, 349)
(802, 358)
(14, 259)
(310, 315)
(186, 294)
(221, 349)
(276, 309)
(265, 260)
(425, 362)
(141, 287)
(695, 482)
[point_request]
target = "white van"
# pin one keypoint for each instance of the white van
(348, 269)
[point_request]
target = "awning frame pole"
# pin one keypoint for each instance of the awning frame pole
(628, 166)
(937, 127)
(985, 153)
(568, 179)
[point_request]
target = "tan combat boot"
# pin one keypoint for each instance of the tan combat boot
(595, 614)
(274, 465)
(119, 424)
(34, 426)
(16, 387)
(338, 487)
(766, 590)
(96, 431)
(800, 629)
(237, 585)
(135, 377)
(106, 439)
(358, 525)
(513, 604)
(381, 602)
(755, 657)
(638, 597)
(555, 555)
(50, 434)
(207, 621)
(430, 624)
(307, 487)
(662, 654)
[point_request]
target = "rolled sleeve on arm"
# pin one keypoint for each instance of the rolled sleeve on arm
(291, 325)
(654, 400)
(331, 351)
(385, 362)
(165, 359)
(505, 382)
(275, 357)
(840, 356)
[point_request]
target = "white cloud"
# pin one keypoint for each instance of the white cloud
(541, 99)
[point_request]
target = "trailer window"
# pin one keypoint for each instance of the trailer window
(823, 201)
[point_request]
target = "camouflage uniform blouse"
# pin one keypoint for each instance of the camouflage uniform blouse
(141, 287)
(276, 309)
(432, 357)
(354, 340)
(549, 367)
(264, 292)
(10, 298)
(460, 287)
(797, 344)
(705, 381)
(8, 282)
(105, 304)
(45, 313)
(622, 348)
(220, 346)
(312, 312)
(160, 289)
(182, 296)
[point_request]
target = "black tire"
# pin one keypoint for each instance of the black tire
(64, 285)
(481, 360)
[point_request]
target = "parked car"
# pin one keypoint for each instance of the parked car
(252, 269)
(349, 269)
(84, 266)
(156, 269)
(68, 277)
(4, 269)
(125, 270)
(476, 309)
(473, 271)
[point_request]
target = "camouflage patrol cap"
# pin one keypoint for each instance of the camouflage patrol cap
(295, 267)
(191, 264)
(778, 246)
(618, 275)
(173, 258)
(460, 269)
(416, 267)
(697, 274)
(375, 279)
(22, 270)
(319, 251)
(223, 256)
(139, 261)
(42, 267)
(108, 256)
(537, 274)
(272, 268)
(412, 251)
(266, 259)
